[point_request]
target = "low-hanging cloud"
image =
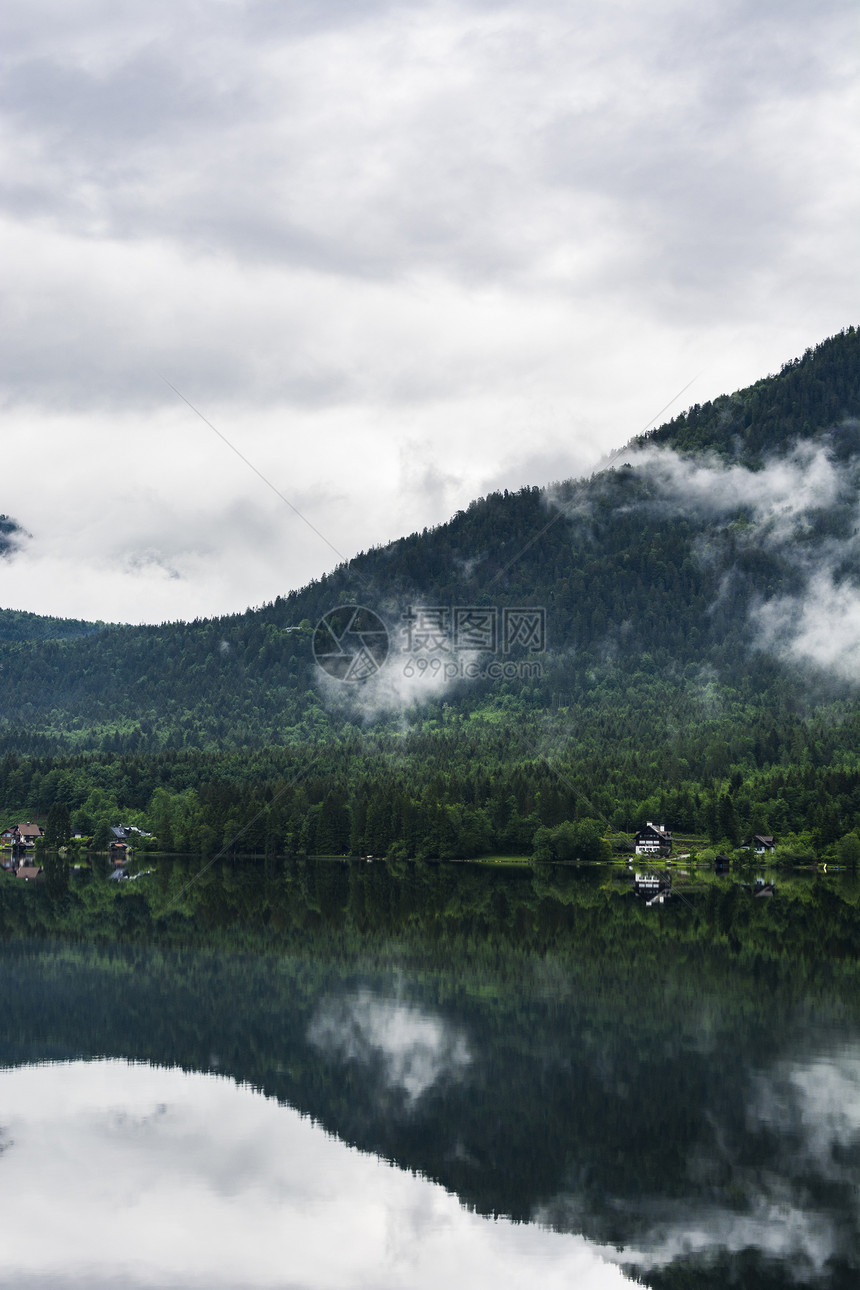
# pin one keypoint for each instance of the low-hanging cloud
(777, 497)
(821, 626)
(802, 507)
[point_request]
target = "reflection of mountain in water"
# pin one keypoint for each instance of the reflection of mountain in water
(697, 1113)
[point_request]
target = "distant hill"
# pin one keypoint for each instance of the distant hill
(11, 535)
(17, 625)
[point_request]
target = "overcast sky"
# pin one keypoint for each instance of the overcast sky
(399, 254)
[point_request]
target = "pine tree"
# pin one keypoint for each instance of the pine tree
(58, 829)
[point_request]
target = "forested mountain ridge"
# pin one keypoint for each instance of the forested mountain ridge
(17, 625)
(698, 604)
(809, 397)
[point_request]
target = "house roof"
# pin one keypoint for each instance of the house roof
(29, 830)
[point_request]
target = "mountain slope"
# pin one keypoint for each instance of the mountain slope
(699, 604)
(654, 562)
(810, 395)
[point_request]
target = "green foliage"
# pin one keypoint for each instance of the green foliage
(810, 396)
(58, 828)
(579, 840)
(102, 836)
(848, 850)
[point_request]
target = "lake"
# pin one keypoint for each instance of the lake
(311, 1075)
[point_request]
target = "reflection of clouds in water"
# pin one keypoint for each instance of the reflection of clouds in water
(797, 1205)
(816, 1106)
(802, 1242)
(773, 1223)
(149, 1177)
(417, 1048)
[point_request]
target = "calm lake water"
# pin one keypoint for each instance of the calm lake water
(437, 1075)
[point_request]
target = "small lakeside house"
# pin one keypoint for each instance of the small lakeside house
(761, 843)
(653, 840)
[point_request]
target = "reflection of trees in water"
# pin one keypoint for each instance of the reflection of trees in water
(809, 934)
(535, 1042)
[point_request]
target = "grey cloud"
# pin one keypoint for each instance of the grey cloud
(555, 461)
(119, 110)
(442, 142)
(443, 176)
(268, 18)
(688, 155)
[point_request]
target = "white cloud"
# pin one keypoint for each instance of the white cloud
(780, 503)
(814, 1102)
(777, 496)
(820, 626)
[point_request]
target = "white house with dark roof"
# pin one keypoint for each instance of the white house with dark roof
(653, 840)
(761, 843)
